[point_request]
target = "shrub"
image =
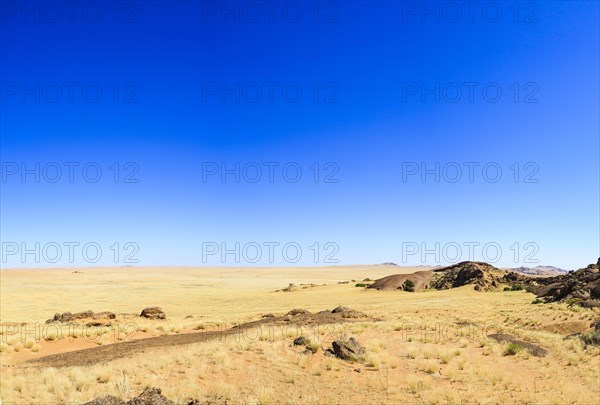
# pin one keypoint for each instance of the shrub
(361, 285)
(512, 349)
(312, 346)
(573, 301)
(591, 338)
(408, 286)
(537, 301)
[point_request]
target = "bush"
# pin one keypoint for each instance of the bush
(574, 301)
(361, 285)
(506, 288)
(408, 286)
(591, 338)
(537, 301)
(516, 287)
(512, 349)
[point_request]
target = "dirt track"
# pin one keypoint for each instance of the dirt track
(102, 354)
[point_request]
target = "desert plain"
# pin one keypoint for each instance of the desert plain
(228, 339)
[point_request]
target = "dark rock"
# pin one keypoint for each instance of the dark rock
(107, 400)
(290, 288)
(582, 284)
(66, 317)
(150, 396)
(346, 312)
(96, 324)
(349, 351)
(83, 315)
(153, 313)
(300, 341)
(105, 315)
(298, 311)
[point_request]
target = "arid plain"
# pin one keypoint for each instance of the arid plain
(429, 347)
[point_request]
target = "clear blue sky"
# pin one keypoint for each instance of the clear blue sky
(373, 92)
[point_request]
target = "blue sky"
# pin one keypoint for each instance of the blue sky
(162, 97)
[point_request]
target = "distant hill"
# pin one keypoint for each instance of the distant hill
(539, 270)
(483, 276)
(419, 280)
(581, 286)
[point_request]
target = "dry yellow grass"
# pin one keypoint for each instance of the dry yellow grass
(429, 347)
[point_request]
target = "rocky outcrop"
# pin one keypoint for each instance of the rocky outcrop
(150, 396)
(350, 313)
(298, 311)
(153, 313)
(66, 317)
(581, 286)
(349, 351)
(483, 276)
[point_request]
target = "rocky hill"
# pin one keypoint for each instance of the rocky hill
(483, 276)
(581, 286)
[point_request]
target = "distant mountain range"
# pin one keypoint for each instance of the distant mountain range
(540, 270)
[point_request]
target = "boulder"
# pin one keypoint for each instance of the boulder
(349, 351)
(298, 311)
(107, 400)
(346, 312)
(83, 315)
(105, 315)
(340, 309)
(153, 313)
(299, 341)
(150, 396)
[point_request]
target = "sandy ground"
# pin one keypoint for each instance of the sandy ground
(424, 347)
